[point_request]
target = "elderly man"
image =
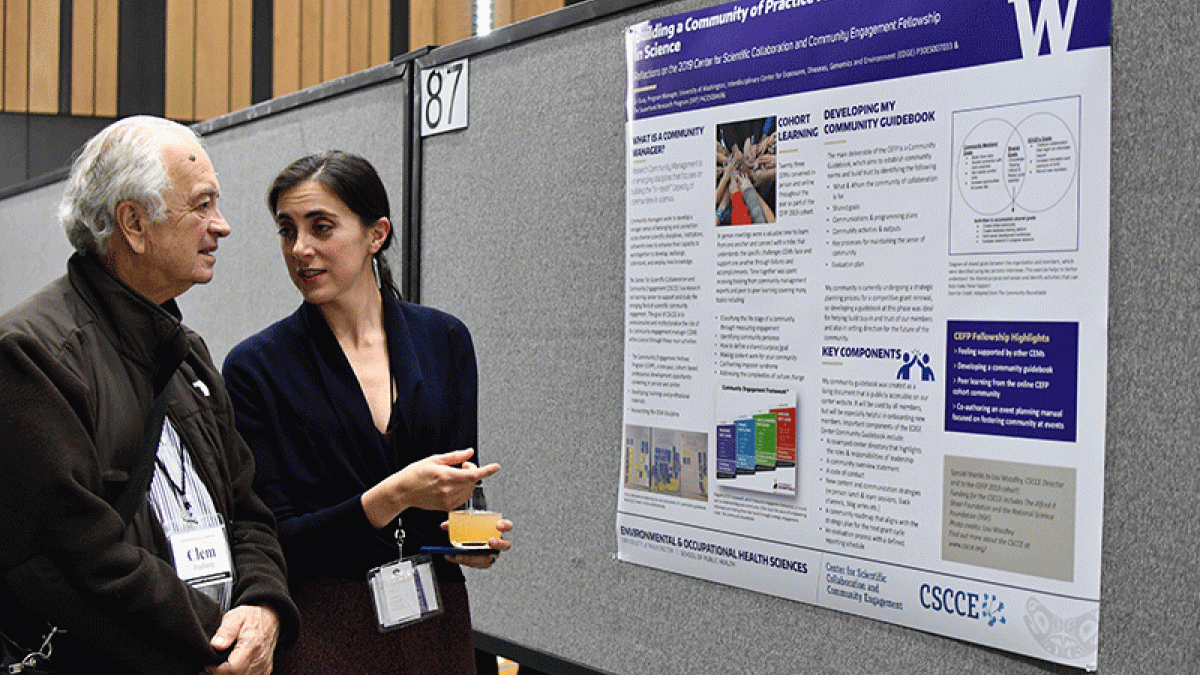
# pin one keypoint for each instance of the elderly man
(195, 581)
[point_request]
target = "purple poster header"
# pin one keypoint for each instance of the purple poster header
(757, 49)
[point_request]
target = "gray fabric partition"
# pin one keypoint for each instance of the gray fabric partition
(523, 238)
(37, 246)
(523, 222)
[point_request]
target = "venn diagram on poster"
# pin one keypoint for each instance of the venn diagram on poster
(1029, 165)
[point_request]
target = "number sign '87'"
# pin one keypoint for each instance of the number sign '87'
(444, 98)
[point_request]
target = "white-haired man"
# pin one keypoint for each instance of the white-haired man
(196, 579)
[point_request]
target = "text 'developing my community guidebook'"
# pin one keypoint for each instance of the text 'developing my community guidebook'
(866, 309)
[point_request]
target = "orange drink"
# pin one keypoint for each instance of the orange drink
(472, 529)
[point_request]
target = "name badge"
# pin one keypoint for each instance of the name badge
(404, 592)
(202, 557)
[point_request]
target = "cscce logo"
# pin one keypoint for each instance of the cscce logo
(982, 607)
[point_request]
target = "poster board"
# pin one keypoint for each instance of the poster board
(903, 269)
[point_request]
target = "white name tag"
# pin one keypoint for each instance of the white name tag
(203, 560)
(404, 592)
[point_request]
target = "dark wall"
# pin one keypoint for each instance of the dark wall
(36, 145)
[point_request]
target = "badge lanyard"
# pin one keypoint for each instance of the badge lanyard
(404, 591)
(198, 541)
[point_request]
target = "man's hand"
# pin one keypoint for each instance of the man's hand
(252, 632)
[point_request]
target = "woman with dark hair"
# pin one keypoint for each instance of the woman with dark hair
(361, 412)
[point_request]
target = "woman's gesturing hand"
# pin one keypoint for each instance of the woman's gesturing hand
(436, 483)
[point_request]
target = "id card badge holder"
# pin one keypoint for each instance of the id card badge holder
(200, 549)
(405, 591)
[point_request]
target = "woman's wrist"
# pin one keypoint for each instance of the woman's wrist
(381, 505)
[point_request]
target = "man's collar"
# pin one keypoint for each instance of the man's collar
(148, 334)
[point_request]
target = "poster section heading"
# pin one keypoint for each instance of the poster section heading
(713, 553)
(743, 51)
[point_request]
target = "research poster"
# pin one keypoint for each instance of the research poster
(866, 309)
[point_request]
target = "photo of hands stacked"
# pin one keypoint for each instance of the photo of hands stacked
(746, 172)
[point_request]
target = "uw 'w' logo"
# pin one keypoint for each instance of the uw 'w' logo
(1050, 24)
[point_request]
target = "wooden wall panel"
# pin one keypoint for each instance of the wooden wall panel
(180, 94)
(108, 37)
(359, 35)
(212, 58)
(335, 40)
(527, 9)
(422, 27)
(502, 13)
(241, 54)
(95, 37)
(319, 40)
(209, 45)
(285, 69)
(381, 32)
(43, 57)
(3, 74)
(505, 12)
(453, 21)
(310, 43)
(83, 57)
(16, 56)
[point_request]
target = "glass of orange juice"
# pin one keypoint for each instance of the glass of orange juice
(472, 525)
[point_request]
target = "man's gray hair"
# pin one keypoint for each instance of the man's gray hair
(123, 161)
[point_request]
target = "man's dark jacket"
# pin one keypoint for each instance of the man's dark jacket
(80, 363)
